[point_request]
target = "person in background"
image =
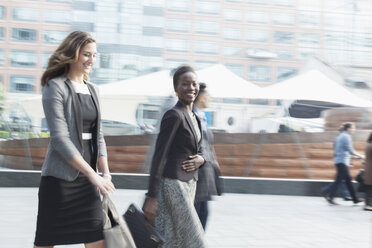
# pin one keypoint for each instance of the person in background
(344, 191)
(368, 174)
(70, 210)
(209, 182)
(343, 149)
(174, 170)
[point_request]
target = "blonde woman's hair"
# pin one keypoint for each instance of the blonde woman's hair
(67, 52)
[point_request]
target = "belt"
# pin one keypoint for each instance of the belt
(86, 136)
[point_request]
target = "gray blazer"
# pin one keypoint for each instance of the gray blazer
(63, 114)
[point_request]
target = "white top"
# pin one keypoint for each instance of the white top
(80, 88)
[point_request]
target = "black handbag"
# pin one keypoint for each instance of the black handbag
(143, 233)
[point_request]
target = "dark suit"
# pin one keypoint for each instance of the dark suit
(170, 151)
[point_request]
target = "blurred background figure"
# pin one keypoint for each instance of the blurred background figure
(209, 182)
(368, 174)
(343, 149)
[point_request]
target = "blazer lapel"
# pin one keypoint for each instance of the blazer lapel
(96, 103)
(77, 109)
(191, 126)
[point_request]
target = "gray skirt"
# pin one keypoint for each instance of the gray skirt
(177, 220)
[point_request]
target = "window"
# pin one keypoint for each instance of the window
(335, 39)
(82, 5)
(153, 21)
(232, 51)
(307, 52)
(232, 14)
(308, 40)
(201, 64)
(23, 34)
(178, 5)
(178, 25)
(260, 73)
(2, 12)
(286, 3)
(257, 17)
(1, 57)
(257, 1)
(283, 37)
(152, 31)
(232, 34)
(25, 14)
(51, 36)
(1, 33)
(23, 58)
(207, 7)
(174, 63)
(154, 11)
(342, 21)
(284, 54)
(206, 27)
(84, 26)
(309, 19)
(45, 59)
(284, 73)
(22, 84)
(284, 19)
(309, 5)
(208, 47)
(57, 16)
(236, 68)
(109, 6)
(257, 35)
(177, 45)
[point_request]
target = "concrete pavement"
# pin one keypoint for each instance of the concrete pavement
(236, 220)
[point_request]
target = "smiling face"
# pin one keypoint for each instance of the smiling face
(86, 59)
(187, 88)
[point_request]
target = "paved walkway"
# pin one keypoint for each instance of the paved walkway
(236, 220)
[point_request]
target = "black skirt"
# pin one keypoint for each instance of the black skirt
(69, 212)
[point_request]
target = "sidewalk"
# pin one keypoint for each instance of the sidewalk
(236, 220)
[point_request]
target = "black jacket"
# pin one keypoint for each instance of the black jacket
(175, 142)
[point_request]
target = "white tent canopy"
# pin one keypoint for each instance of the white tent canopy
(220, 81)
(314, 86)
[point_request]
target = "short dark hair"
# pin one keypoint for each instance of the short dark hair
(345, 126)
(202, 90)
(180, 71)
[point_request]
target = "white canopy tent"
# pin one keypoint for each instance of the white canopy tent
(314, 86)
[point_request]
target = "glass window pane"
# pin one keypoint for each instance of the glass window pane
(1, 57)
(2, 12)
(1, 33)
(208, 47)
(343, 21)
(257, 35)
(257, 17)
(207, 7)
(206, 27)
(232, 33)
(232, 14)
(284, 73)
(24, 84)
(177, 45)
(23, 34)
(284, 54)
(57, 16)
(23, 58)
(232, 51)
(178, 5)
(45, 59)
(200, 64)
(260, 73)
(174, 63)
(55, 37)
(283, 37)
(178, 25)
(309, 19)
(25, 14)
(308, 40)
(285, 19)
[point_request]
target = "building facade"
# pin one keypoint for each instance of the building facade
(263, 41)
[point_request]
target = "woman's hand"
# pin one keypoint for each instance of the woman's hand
(193, 163)
(104, 184)
(150, 208)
